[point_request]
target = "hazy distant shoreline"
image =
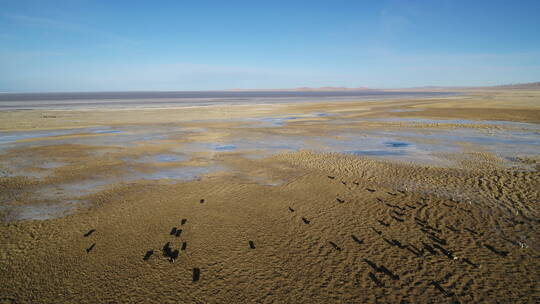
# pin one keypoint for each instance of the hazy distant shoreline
(11, 101)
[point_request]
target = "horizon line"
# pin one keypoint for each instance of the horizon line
(297, 89)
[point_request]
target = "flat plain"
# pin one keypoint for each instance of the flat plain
(401, 200)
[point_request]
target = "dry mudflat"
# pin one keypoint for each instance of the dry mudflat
(432, 200)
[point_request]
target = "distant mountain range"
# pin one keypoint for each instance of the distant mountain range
(515, 86)
(305, 89)
(530, 86)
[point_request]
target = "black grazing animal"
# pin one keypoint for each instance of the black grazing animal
(359, 241)
(90, 248)
(306, 221)
(173, 231)
(336, 247)
(331, 177)
(178, 232)
(167, 249)
(340, 200)
(251, 245)
(196, 274)
(291, 209)
(184, 245)
(174, 256)
(183, 221)
(202, 200)
(148, 255)
(89, 233)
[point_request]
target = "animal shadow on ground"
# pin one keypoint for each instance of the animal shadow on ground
(376, 231)
(383, 223)
(496, 251)
(89, 233)
(335, 246)
(396, 218)
(414, 250)
(382, 269)
(359, 241)
(90, 248)
(148, 255)
(446, 252)
(441, 289)
(374, 279)
(466, 260)
(429, 248)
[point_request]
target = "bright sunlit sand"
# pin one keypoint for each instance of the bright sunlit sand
(298, 202)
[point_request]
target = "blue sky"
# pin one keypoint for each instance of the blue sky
(80, 45)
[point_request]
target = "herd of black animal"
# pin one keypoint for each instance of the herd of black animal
(167, 250)
(397, 213)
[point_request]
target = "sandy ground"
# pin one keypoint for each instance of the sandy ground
(287, 227)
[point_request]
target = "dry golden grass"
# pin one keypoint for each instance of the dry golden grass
(467, 234)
